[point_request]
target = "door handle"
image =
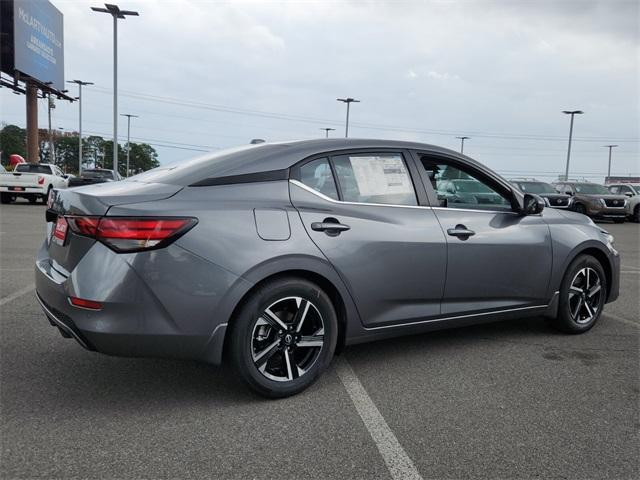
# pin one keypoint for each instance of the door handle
(460, 231)
(330, 226)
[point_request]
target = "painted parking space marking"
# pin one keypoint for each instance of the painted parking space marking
(398, 462)
(11, 297)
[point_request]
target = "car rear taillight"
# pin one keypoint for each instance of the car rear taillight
(40, 180)
(126, 234)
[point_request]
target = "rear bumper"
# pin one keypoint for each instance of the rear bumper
(133, 321)
(27, 190)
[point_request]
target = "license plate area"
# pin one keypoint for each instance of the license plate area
(16, 189)
(60, 231)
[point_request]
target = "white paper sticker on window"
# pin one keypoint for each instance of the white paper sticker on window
(381, 175)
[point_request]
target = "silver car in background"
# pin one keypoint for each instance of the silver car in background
(274, 257)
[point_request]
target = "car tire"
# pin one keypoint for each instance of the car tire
(618, 220)
(636, 214)
(580, 208)
(267, 352)
(582, 295)
(5, 198)
(32, 199)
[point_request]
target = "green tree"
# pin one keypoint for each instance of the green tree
(67, 153)
(143, 157)
(13, 140)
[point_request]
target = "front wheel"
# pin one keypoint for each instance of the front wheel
(283, 337)
(582, 295)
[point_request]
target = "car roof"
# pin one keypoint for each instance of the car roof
(266, 157)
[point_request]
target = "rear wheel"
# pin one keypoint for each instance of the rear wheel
(5, 198)
(582, 295)
(284, 337)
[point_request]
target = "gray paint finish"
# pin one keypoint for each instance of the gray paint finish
(395, 271)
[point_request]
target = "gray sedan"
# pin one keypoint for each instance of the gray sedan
(273, 257)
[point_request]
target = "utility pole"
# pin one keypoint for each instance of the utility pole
(462, 139)
(52, 149)
(348, 101)
(80, 84)
(572, 113)
(128, 115)
(33, 155)
(326, 131)
(116, 13)
(610, 147)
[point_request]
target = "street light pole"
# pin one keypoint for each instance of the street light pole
(129, 116)
(116, 13)
(610, 147)
(80, 84)
(572, 113)
(462, 139)
(348, 101)
(326, 131)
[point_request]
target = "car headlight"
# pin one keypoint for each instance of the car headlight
(546, 202)
(624, 203)
(609, 240)
(601, 201)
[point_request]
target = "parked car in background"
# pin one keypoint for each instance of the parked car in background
(552, 198)
(275, 256)
(90, 176)
(466, 191)
(32, 181)
(632, 192)
(594, 200)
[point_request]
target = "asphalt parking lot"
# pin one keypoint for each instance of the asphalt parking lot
(505, 400)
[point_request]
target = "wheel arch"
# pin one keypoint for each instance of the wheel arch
(311, 269)
(599, 254)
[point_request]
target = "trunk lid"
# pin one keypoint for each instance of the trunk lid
(92, 200)
(17, 179)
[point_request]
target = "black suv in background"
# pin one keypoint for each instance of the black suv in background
(94, 175)
(594, 200)
(545, 190)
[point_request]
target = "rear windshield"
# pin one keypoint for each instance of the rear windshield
(33, 168)
(97, 174)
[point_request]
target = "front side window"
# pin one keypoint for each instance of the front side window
(318, 176)
(457, 188)
(375, 178)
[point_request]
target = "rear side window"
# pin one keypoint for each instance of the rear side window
(33, 168)
(318, 176)
(375, 178)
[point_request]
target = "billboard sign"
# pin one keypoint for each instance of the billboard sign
(38, 41)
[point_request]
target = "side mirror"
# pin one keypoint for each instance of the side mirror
(65, 176)
(628, 194)
(533, 204)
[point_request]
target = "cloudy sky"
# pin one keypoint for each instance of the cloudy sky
(204, 75)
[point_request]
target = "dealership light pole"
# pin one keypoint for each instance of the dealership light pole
(572, 113)
(348, 101)
(610, 147)
(116, 13)
(80, 84)
(129, 116)
(462, 139)
(326, 131)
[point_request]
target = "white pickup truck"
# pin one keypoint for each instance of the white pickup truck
(32, 181)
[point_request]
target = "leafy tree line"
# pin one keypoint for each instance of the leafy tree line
(96, 151)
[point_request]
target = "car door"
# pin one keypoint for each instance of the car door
(363, 212)
(497, 259)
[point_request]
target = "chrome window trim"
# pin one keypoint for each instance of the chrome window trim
(342, 202)
(424, 207)
(431, 320)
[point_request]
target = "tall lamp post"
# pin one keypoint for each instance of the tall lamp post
(129, 117)
(348, 101)
(116, 13)
(80, 84)
(610, 147)
(572, 113)
(462, 139)
(326, 131)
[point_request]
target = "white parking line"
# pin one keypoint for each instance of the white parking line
(622, 319)
(19, 293)
(630, 272)
(398, 462)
